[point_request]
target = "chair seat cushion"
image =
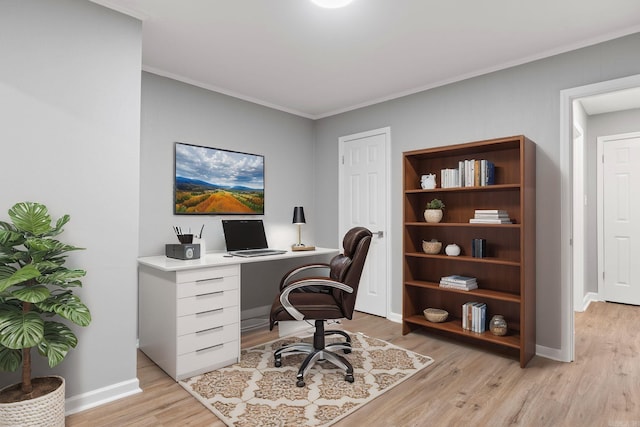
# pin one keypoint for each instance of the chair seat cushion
(312, 305)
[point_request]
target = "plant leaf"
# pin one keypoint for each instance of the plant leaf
(30, 217)
(20, 330)
(25, 274)
(68, 306)
(9, 238)
(59, 224)
(10, 359)
(58, 340)
(6, 271)
(32, 294)
(61, 277)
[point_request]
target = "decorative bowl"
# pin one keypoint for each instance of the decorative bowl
(431, 247)
(435, 315)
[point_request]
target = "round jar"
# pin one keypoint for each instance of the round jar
(498, 326)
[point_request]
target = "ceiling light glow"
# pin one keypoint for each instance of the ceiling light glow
(331, 4)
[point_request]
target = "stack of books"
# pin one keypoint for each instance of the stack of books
(490, 216)
(469, 173)
(462, 283)
(474, 317)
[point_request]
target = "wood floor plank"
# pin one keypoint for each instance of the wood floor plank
(464, 387)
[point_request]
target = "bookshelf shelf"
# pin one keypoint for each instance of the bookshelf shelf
(464, 258)
(506, 276)
(453, 327)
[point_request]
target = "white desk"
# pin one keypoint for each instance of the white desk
(189, 311)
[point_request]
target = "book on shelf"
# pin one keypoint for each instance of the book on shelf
(490, 216)
(470, 173)
(478, 248)
(462, 283)
(449, 178)
(476, 173)
(491, 211)
(456, 278)
(474, 317)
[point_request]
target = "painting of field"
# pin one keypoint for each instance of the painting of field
(219, 201)
(214, 181)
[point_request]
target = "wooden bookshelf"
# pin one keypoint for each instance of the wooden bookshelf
(506, 276)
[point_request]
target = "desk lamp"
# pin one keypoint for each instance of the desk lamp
(298, 218)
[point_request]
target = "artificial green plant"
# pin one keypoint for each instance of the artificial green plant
(35, 288)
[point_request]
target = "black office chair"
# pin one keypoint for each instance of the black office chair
(332, 296)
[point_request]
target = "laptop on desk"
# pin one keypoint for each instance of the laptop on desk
(246, 238)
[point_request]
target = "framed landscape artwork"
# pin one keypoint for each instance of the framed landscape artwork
(214, 181)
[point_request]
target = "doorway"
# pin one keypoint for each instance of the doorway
(363, 183)
(569, 263)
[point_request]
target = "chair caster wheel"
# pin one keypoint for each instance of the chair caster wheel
(277, 363)
(300, 383)
(349, 378)
(347, 350)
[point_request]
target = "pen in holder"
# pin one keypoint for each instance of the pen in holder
(185, 238)
(200, 241)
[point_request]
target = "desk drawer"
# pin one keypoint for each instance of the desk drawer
(209, 357)
(207, 273)
(208, 338)
(207, 320)
(207, 302)
(208, 285)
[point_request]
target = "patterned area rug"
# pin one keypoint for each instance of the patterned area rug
(255, 393)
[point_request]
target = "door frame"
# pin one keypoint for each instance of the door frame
(387, 203)
(566, 353)
(600, 191)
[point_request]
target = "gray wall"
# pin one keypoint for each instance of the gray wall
(600, 125)
(70, 108)
(174, 111)
(520, 100)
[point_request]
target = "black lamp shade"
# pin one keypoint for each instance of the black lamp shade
(298, 215)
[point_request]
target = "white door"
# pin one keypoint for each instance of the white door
(363, 193)
(621, 217)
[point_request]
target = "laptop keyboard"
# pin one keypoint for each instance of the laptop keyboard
(256, 252)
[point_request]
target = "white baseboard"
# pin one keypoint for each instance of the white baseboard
(262, 311)
(551, 353)
(101, 396)
(588, 299)
(395, 317)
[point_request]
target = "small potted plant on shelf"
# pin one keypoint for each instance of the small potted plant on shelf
(35, 287)
(433, 211)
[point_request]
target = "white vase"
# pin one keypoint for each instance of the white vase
(433, 215)
(452, 250)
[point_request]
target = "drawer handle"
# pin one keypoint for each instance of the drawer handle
(211, 279)
(204, 331)
(210, 294)
(210, 348)
(202, 313)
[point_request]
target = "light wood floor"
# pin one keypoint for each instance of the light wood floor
(464, 387)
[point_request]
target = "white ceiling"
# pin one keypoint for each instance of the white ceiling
(314, 62)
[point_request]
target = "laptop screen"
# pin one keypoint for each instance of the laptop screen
(241, 234)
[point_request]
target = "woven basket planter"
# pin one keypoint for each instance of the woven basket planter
(47, 410)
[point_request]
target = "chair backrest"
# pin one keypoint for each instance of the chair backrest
(347, 267)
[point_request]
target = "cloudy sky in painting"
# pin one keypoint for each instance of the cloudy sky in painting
(219, 167)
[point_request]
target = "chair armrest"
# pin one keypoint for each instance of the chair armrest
(284, 296)
(291, 274)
